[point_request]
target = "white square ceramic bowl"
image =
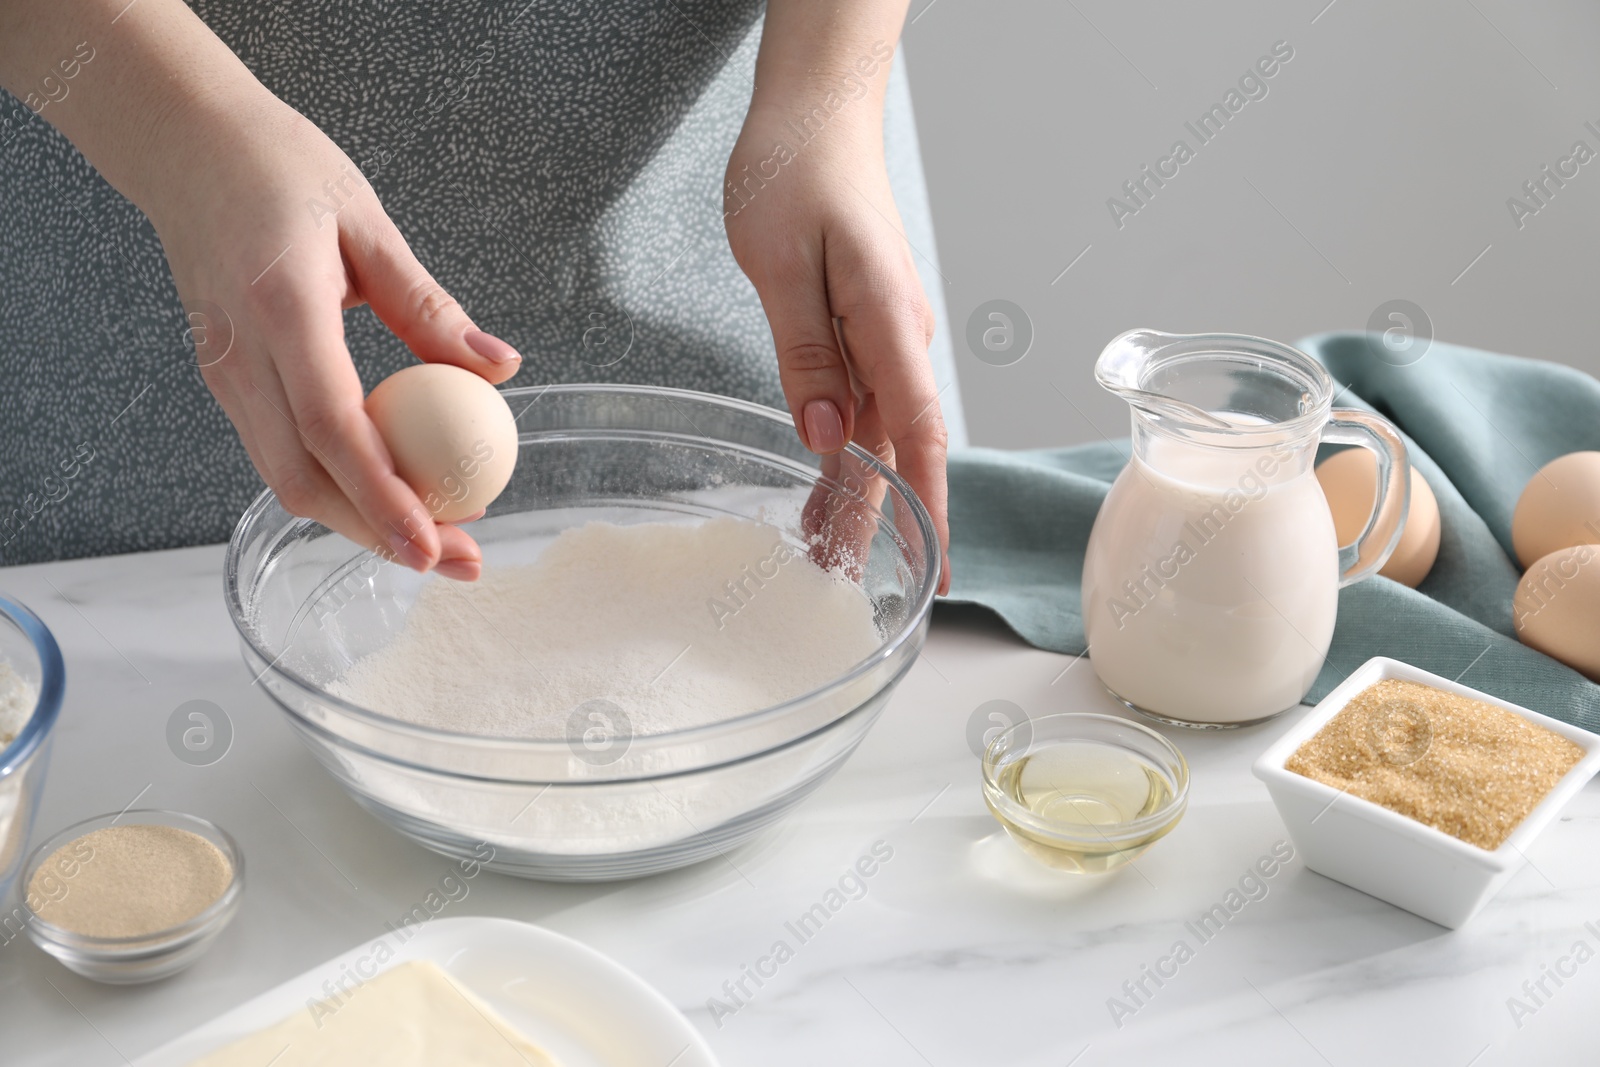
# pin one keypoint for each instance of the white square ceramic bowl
(1393, 857)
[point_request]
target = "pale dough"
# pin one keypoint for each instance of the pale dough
(411, 1015)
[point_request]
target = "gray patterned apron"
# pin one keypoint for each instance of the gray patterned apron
(556, 166)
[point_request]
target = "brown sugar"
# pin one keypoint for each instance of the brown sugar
(1468, 768)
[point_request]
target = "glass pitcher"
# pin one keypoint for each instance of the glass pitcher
(1211, 578)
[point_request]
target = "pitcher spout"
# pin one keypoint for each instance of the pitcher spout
(1121, 370)
(1215, 383)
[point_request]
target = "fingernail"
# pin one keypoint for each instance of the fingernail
(490, 347)
(408, 553)
(460, 570)
(824, 427)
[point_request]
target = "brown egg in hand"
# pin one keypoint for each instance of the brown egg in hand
(451, 434)
(1350, 482)
(1559, 508)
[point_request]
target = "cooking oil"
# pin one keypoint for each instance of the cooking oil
(1086, 807)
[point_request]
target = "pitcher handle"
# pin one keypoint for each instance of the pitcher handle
(1347, 426)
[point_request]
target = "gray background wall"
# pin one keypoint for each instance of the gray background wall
(1377, 167)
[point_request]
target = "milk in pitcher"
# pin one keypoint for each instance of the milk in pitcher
(1210, 590)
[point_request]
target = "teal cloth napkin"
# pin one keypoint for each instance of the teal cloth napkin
(1478, 425)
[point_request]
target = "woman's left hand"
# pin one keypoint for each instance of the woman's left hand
(812, 222)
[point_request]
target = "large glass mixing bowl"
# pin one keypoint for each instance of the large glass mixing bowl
(597, 803)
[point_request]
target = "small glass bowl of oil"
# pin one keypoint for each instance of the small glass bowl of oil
(1084, 793)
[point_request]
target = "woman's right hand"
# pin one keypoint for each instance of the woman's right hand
(275, 226)
(268, 225)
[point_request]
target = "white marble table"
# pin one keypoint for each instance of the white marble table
(961, 951)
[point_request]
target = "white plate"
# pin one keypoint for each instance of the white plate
(583, 1008)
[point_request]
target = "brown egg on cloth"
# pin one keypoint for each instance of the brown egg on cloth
(1557, 607)
(1559, 508)
(451, 434)
(1350, 482)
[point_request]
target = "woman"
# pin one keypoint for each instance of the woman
(555, 166)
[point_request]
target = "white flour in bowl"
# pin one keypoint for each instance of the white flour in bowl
(17, 700)
(678, 625)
